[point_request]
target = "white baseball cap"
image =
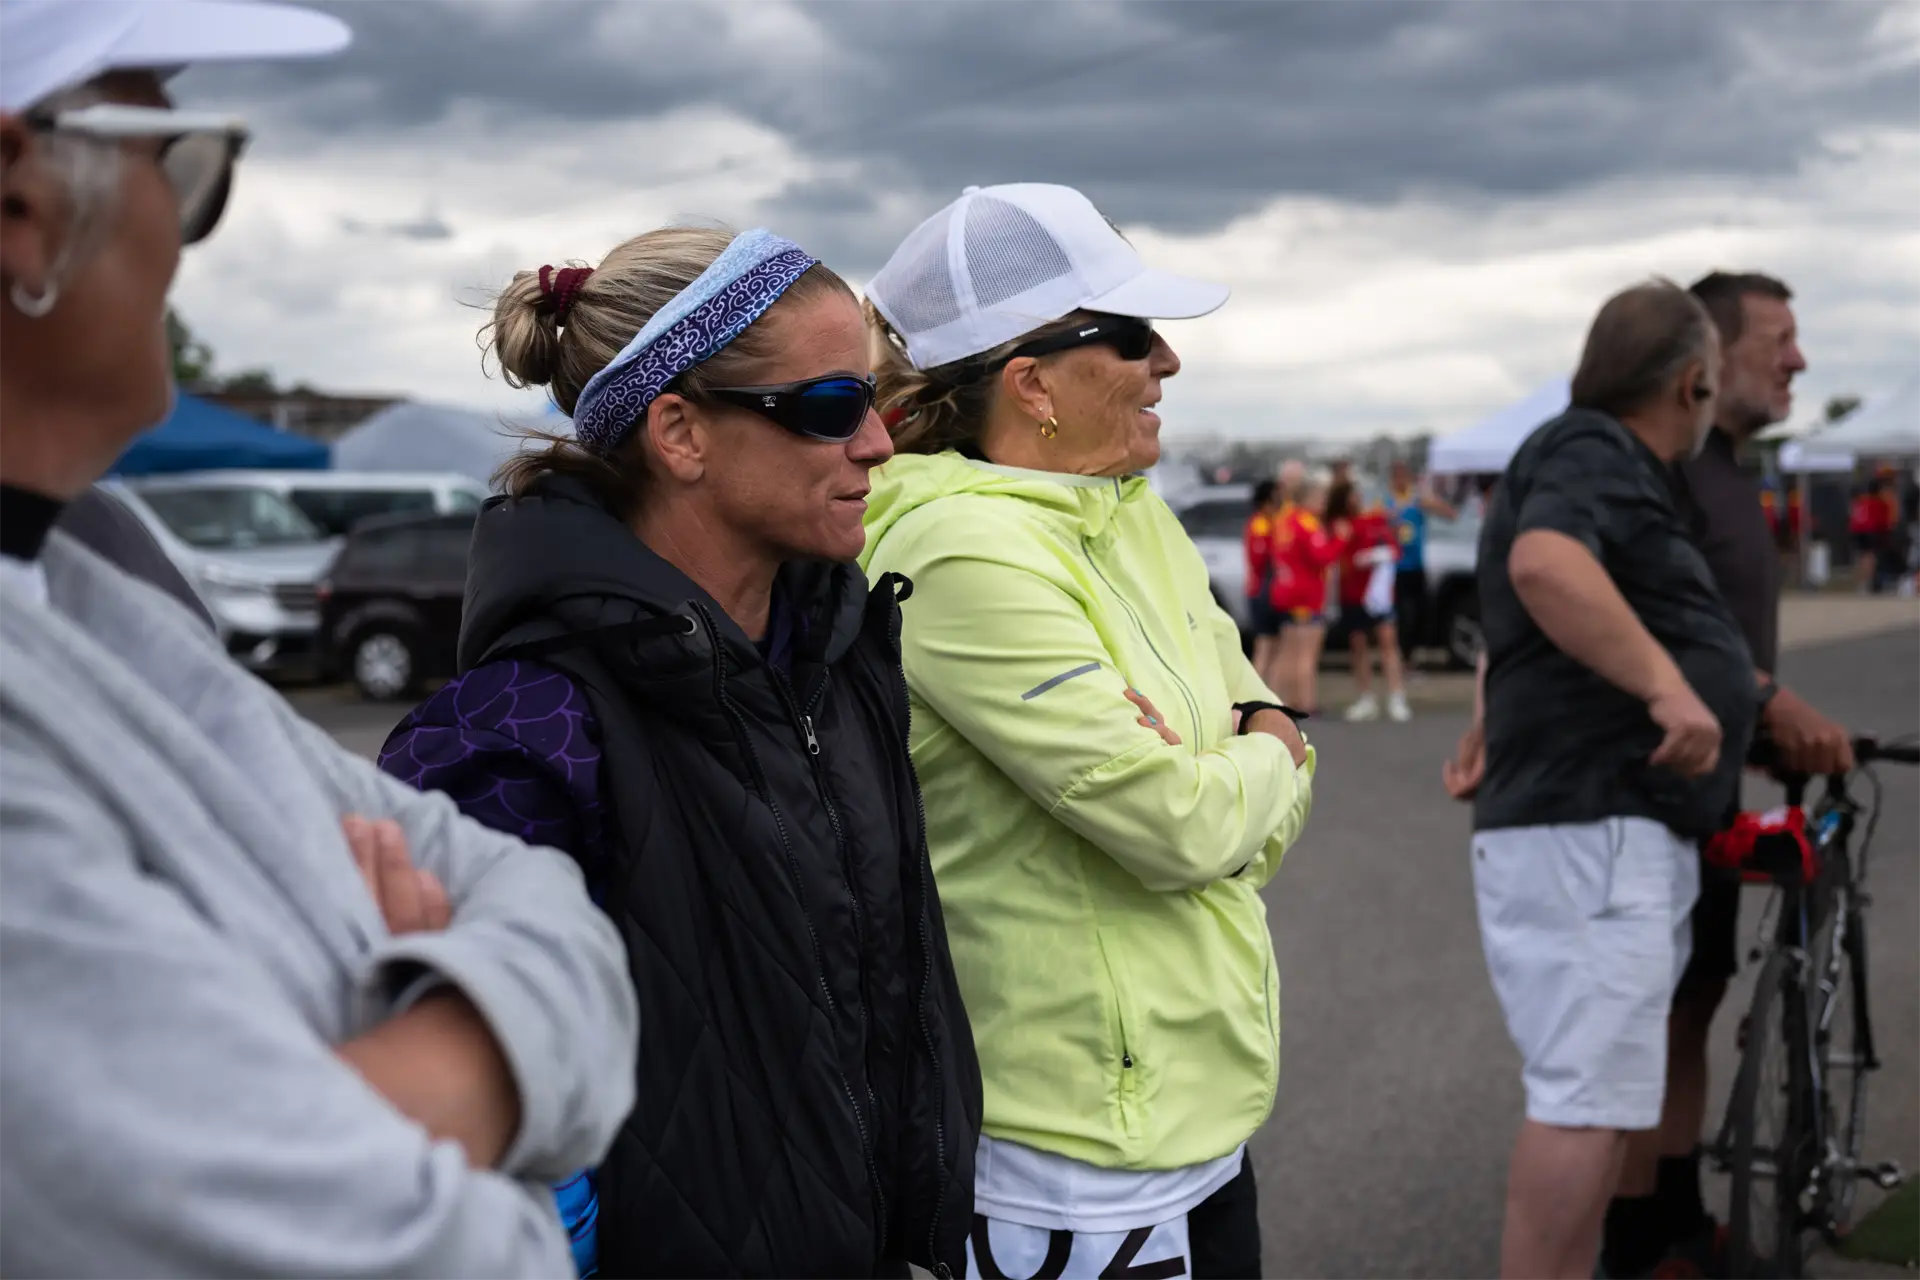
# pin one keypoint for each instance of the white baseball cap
(50, 45)
(1002, 261)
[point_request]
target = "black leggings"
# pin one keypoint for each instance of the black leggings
(1223, 1231)
(1410, 608)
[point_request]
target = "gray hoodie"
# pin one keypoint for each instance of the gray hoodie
(184, 938)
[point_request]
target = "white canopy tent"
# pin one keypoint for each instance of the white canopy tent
(1806, 456)
(1488, 445)
(1780, 432)
(422, 436)
(1887, 427)
(1799, 459)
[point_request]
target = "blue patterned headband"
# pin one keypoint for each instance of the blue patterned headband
(746, 279)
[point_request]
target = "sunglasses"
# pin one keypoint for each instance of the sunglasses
(830, 409)
(1130, 336)
(197, 153)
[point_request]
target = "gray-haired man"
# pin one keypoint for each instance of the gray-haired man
(1659, 1212)
(1619, 700)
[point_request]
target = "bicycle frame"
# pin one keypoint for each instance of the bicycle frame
(1816, 975)
(1816, 959)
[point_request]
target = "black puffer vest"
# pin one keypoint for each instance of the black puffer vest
(808, 1097)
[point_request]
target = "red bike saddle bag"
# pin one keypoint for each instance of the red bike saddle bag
(1765, 847)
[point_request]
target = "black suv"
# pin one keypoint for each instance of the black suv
(390, 603)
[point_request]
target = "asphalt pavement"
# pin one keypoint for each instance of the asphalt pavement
(1399, 1090)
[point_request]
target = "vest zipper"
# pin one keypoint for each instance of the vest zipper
(738, 720)
(1186, 694)
(922, 865)
(805, 720)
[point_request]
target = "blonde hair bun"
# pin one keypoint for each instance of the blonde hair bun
(526, 337)
(630, 285)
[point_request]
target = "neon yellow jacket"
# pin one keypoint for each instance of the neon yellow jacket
(1100, 887)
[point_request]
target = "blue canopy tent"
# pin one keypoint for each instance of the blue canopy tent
(199, 436)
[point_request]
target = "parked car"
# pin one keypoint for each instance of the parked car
(1215, 517)
(390, 603)
(336, 501)
(249, 553)
(1453, 623)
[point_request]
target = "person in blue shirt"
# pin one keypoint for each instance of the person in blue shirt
(1408, 503)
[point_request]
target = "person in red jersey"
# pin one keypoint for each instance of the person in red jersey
(1369, 548)
(1304, 549)
(1871, 522)
(1257, 539)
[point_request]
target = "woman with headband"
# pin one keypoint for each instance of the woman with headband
(1108, 782)
(671, 669)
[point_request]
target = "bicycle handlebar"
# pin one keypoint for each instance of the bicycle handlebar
(1872, 750)
(1866, 750)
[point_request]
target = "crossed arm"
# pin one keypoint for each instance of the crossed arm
(167, 1107)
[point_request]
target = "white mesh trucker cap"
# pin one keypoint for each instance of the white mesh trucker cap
(1002, 261)
(49, 45)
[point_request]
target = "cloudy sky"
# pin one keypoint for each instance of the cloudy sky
(1418, 206)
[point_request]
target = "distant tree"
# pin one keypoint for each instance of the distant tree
(256, 382)
(1839, 407)
(193, 364)
(192, 358)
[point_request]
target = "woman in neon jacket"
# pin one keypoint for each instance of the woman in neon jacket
(1107, 782)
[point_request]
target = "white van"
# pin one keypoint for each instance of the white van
(255, 544)
(248, 552)
(337, 500)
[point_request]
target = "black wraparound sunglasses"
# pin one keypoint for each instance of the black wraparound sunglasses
(1130, 336)
(196, 152)
(829, 409)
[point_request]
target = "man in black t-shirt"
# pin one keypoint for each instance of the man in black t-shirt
(1620, 700)
(1659, 1212)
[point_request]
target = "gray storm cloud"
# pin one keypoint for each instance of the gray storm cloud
(1354, 170)
(1182, 115)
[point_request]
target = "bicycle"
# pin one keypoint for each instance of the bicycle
(1792, 1136)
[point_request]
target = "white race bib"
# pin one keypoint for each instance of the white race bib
(1379, 599)
(1009, 1251)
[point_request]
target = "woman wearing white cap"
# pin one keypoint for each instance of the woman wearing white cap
(1108, 784)
(267, 1011)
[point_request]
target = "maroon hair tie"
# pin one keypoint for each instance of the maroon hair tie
(558, 289)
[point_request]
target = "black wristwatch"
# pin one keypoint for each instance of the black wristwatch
(1247, 709)
(1768, 692)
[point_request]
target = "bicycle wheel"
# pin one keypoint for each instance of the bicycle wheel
(1843, 1045)
(1771, 1138)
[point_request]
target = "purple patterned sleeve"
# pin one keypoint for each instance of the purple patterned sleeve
(515, 745)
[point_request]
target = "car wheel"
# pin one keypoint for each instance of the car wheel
(1463, 636)
(384, 666)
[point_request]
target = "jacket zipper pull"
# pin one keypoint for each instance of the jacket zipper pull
(813, 743)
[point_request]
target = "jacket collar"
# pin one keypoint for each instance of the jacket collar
(558, 561)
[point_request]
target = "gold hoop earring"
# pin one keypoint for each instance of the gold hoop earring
(1050, 428)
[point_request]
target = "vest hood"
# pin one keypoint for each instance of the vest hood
(556, 562)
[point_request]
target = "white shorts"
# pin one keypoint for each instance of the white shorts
(1586, 930)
